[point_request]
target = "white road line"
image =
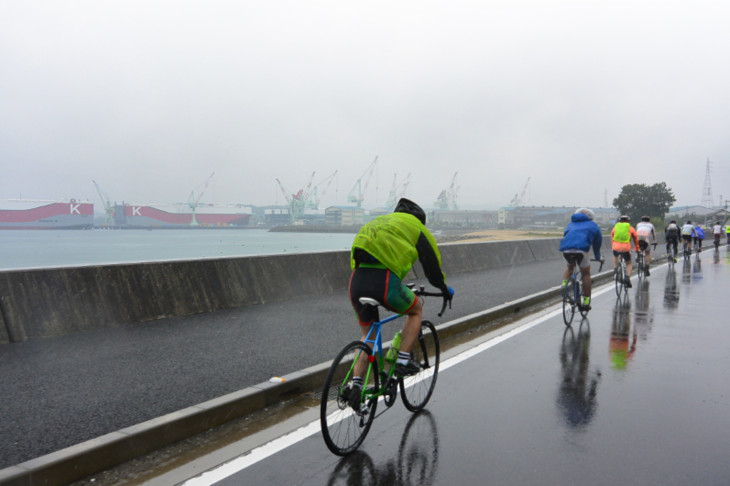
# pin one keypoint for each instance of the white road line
(269, 449)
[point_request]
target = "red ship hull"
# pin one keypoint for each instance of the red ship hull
(141, 216)
(51, 215)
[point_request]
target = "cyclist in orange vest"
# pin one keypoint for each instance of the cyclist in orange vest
(621, 236)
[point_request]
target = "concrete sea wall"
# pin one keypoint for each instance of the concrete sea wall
(51, 302)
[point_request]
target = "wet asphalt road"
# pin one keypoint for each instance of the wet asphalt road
(61, 391)
(637, 394)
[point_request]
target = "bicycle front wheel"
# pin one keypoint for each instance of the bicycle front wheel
(344, 428)
(416, 390)
(569, 302)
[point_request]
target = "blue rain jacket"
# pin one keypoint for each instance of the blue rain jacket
(582, 234)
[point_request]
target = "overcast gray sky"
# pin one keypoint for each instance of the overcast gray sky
(149, 98)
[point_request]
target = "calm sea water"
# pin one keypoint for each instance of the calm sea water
(60, 248)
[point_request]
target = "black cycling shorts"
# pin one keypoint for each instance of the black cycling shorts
(382, 285)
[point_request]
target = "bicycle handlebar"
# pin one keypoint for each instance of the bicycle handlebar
(421, 291)
(602, 260)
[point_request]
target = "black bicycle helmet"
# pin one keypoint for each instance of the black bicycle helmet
(625, 218)
(407, 206)
(645, 218)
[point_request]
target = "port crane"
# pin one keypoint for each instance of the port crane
(314, 198)
(193, 200)
(109, 216)
(447, 198)
(297, 201)
(519, 199)
(357, 194)
(397, 190)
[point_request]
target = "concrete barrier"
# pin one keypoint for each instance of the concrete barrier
(51, 302)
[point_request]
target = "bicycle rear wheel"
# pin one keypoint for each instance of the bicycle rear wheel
(670, 257)
(343, 428)
(416, 390)
(579, 295)
(641, 269)
(569, 302)
(619, 278)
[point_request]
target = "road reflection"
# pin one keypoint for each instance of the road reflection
(697, 269)
(687, 271)
(621, 346)
(416, 463)
(671, 290)
(643, 313)
(577, 394)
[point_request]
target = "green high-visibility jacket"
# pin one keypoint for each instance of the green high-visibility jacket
(396, 240)
(622, 232)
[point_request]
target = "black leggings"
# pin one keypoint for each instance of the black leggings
(673, 242)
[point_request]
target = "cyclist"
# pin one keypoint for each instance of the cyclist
(671, 236)
(688, 232)
(579, 236)
(716, 232)
(647, 235)
(699, 236)
(621, 236)
(727, 231)
(382, 254)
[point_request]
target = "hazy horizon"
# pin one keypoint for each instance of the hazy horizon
(150, 98)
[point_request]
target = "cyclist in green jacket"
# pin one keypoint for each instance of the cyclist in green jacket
(382, 254)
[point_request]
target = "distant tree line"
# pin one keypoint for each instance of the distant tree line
(637, 200)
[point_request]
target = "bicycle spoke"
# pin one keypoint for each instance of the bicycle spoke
(343, 428)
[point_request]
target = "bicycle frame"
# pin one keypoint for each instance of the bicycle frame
(576, 282)
(346, 418)
(687, 249)
(377, 343)
(641, 261)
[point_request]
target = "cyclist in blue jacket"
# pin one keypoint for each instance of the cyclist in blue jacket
(579, 236)
(699, 236)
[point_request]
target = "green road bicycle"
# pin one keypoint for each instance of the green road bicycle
(345, 428)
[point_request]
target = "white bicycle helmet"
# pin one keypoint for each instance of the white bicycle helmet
(585, 211)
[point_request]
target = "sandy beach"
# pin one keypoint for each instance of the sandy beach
(499, 235)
